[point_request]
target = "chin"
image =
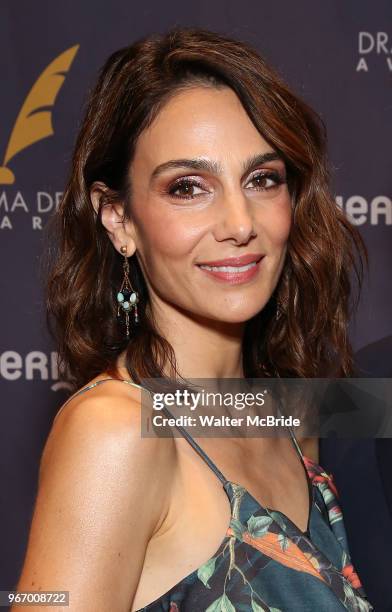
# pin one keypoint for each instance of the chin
(237, 315)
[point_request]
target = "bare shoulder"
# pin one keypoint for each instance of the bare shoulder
(104, 419)
(103, 397)
(103, 492)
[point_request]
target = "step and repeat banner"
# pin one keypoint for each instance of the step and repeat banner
(337, 56)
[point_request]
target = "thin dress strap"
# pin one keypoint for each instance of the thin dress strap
(95, 384)
(295, 442)
(294, 439)
(197, 448)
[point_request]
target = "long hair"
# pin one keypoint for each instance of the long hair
(310, 337)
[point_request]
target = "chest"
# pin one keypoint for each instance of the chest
(275, 476)
(200, 510)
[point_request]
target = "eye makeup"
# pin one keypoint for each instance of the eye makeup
(185, 187)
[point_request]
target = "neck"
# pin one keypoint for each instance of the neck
(204, 348)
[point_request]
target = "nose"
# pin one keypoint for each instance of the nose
(235, 219)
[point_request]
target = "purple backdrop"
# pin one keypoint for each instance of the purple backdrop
(338, 56)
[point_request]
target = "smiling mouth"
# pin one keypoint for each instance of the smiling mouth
(235, 269)
(233, 274)
(233, 260)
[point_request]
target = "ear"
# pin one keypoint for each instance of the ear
(119, 230)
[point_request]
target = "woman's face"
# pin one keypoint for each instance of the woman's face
(206, 186)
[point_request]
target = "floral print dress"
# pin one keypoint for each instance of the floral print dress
(265, 562)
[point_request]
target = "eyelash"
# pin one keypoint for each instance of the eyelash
(187, 182)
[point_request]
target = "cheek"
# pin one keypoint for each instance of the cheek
(276, 223)
(166, 237)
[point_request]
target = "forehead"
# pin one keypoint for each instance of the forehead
(200, 121)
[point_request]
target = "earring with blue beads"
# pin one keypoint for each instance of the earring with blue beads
(127, 297)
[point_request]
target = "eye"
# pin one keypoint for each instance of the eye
(266, 180)
(186, 189)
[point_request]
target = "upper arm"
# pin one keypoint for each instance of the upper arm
(102, 493)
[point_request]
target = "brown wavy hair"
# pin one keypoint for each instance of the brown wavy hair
(314, 293)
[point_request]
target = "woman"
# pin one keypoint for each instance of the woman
(198, 239)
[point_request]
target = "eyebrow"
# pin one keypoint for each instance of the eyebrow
(212, 166)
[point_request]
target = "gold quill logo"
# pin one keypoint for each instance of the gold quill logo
(34, 121)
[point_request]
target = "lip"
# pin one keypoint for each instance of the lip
(234, 278)
(242, 260)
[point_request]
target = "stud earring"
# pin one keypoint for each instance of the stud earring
(127, 298)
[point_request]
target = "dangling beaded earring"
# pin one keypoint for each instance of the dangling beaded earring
(127, 298)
